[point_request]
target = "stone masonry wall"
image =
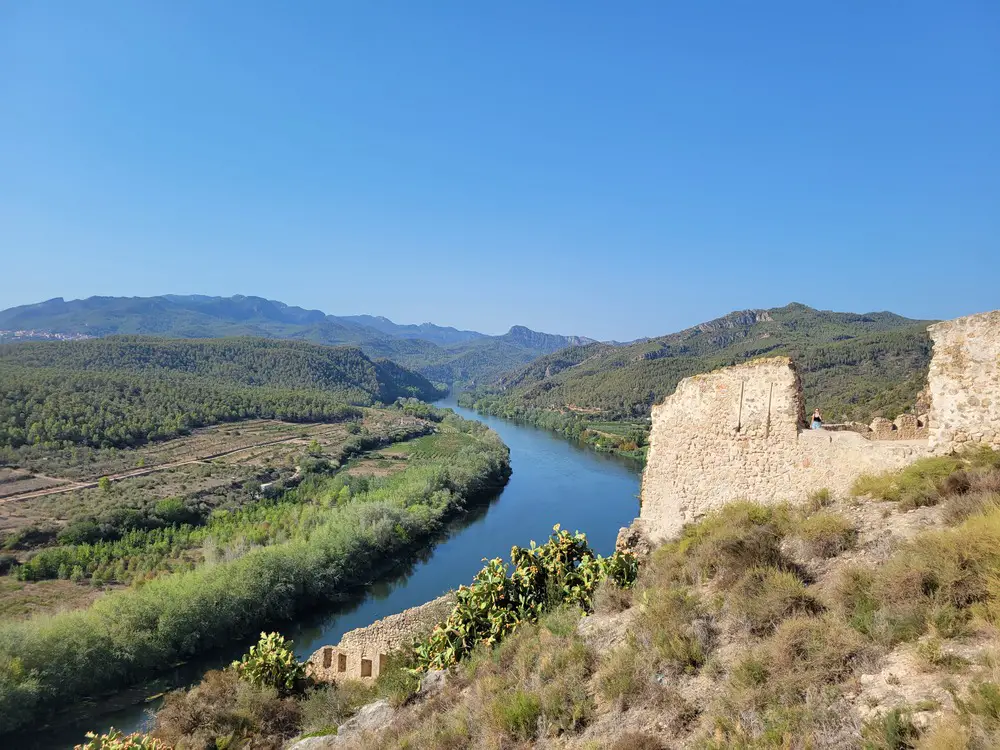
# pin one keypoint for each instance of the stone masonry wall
(362, 652)
(964, 382)
(395, 631)
(736, 434)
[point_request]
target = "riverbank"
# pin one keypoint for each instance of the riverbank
(554, 480)
(332, 543)
(626, 439)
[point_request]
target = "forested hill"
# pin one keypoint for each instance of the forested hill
(853, 366)
(342, 372)
(441, 353)
(125, 391)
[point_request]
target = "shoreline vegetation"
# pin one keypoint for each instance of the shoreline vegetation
(278, 557)
(629, 439)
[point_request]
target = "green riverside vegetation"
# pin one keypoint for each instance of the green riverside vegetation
(260, 565)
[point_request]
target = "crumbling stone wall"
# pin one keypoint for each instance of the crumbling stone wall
(362, 652)
(330, 664)
(964, 382)
(395, 631)
(737, 434)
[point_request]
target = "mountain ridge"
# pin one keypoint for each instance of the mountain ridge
(446, 354)
(853, 364)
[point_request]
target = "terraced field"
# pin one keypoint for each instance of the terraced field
(221, 468)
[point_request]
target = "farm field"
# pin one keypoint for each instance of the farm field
(149, 490)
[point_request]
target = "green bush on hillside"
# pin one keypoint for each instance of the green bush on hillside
(564, 570)
(271, 663)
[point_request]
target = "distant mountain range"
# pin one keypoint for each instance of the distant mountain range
(442, 354)
(852, 365)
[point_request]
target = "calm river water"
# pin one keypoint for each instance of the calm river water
(553, 481)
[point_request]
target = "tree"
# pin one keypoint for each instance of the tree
(105, 484)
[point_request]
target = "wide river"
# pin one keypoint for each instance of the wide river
(554, 481)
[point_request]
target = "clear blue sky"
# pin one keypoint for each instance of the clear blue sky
(606, 169)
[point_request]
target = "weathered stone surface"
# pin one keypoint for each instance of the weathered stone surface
(370, 718)
(631, 539)
(331, 663)
(432, 682)
(964, 382)
(882, 428)
(393, 632)
(736, 434)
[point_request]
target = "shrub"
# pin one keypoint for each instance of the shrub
(271, 664)
(939, 579)
(917, 485)
(960, 507)
(515, 714)
(819, 499)
(326, 707)
(115, 740)
(563, 570)
(7, 563)
(826, 534)
(722, 546)
(638, 741)
(765, 596)
(803, 655)
(887, 621)
(225, 711)
(397, 682)
(610, 598)
(893, 731)
(672, 624)
(623, 677)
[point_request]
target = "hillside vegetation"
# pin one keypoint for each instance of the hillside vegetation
(124, 391)
(859, 622)
(201, 577)
(852, 366)
(446, 355)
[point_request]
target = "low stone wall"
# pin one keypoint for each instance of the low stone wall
(330, 663)
(362, 652)
(394, 632)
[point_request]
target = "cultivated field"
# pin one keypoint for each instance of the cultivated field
(224, 467)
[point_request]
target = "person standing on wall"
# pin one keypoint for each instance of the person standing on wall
(817, 423)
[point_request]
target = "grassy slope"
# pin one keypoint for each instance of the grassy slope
(764, 628)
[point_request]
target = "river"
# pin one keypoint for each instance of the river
(554, 481)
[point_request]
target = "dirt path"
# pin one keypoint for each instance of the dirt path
(73, 486)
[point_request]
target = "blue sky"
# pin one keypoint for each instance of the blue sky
(607, 169)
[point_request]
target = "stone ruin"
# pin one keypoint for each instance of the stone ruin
(332, 663)
(740, 433)
(362, 652)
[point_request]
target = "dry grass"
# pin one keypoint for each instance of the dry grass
(224, 707)
(764, 597)
(826, 534)
(611, 599)
(917, 485)
(722, 546)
